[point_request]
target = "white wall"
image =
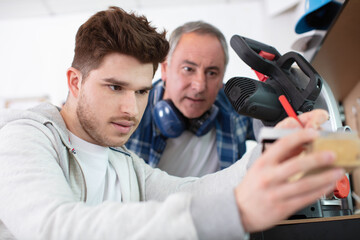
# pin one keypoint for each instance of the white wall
(35, 52)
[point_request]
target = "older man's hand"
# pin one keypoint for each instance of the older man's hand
(313, 119)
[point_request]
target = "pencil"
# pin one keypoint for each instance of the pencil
(288, 109)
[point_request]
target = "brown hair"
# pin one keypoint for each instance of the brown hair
(115, 30)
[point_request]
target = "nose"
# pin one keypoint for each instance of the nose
(128, 104)
(199, 82)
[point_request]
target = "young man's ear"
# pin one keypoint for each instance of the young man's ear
(163, 70)
(74, 78)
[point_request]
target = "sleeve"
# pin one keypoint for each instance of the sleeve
(36, 202)
(213, 206)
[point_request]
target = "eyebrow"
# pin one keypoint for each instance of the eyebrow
(208, 68)
(189, 62)
(124, 84)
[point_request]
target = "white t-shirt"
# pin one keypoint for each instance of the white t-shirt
(102, 182)
(194, 156)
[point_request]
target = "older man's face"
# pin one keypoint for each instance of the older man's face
(194, 75)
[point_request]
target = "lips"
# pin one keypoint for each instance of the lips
(197, 100)
(123, 127)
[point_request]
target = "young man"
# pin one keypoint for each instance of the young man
(65, 174)
(189, 127)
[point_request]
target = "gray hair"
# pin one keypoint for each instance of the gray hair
(199, 27)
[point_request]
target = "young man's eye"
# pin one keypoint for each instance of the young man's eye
(142, 92)
(115, 87)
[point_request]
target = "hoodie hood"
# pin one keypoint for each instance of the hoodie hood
(45, 114)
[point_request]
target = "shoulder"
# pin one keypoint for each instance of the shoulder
(44, 119)
(30, 117)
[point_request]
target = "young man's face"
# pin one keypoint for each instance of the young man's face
(194, 75)
(112, 99)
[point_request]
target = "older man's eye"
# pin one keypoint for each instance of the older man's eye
(115, 87)
(188, 69)
(212, 73)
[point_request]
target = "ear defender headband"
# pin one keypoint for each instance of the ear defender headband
(172, 123)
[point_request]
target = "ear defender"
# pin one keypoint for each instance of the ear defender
(168, 119)
(172, 123)
(203, 124)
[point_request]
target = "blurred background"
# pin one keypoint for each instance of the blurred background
(37, 37)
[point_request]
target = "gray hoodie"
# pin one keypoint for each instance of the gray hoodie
(43, 190)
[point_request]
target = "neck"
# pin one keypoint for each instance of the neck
(68, 113)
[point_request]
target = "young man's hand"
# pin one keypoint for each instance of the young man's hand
(266, 195)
